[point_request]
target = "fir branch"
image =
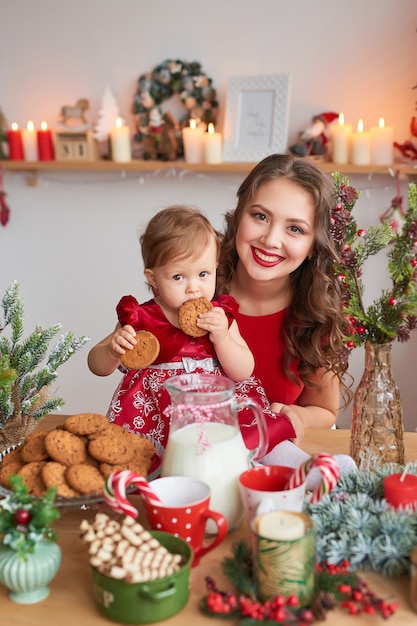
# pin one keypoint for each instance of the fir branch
(25, 357)
(238, 569)
(394, 314)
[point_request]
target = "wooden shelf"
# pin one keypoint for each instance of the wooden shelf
(34, 167)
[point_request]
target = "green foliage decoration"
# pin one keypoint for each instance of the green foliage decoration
(355, 523)
(23, 532)
(26, 370)
(393, 315)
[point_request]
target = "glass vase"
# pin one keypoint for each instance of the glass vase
(377, 419)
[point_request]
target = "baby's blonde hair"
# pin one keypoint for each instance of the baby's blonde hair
(177, 232)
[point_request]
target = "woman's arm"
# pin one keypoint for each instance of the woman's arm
(104, 358)
(318, 406)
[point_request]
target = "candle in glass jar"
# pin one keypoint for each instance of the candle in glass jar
(280, 526)
(400, 490)
(30, 144)
(212, 145)
(45, 143)
(14, 139)
(192, 138)
(341, 138)
(120, 142)
(361, 146)
(382, 144)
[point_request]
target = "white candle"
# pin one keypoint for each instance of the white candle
(280, 525)
(361, 146)
(192, 138)
(30, 142)
(120, 142)
(382, 144)
(341, 139)
(212, 145)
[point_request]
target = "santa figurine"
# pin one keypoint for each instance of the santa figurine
(313, 140)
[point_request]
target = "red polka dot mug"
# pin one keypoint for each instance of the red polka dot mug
(184, 512)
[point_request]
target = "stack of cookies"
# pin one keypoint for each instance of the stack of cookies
(77, 456)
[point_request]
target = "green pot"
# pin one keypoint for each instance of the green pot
(27, 580)
(146, 602)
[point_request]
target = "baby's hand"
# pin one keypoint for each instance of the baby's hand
(123, 339)
(215, 322)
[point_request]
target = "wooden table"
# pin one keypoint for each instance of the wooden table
(71, 598)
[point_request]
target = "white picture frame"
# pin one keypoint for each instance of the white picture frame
(256, 120)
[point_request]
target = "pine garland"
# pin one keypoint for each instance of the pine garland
(355, 523)
(394, 314)
(336, 585)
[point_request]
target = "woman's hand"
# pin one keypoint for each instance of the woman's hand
(294, 416)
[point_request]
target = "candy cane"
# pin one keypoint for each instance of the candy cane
(328, 468)
(115, 491)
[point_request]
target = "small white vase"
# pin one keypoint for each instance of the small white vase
(27, 580)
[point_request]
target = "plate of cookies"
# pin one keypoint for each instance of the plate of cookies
(77, 457)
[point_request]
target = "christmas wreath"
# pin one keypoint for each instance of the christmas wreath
(187, 80)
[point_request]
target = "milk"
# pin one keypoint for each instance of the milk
(219, 463)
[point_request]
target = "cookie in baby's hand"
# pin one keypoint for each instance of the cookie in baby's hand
(188, 315)
(144, 352)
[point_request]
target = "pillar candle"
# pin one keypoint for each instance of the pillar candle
(280, 525)
(45, 143)
(361, 146)
(341, 139)
(400, 490)
(120, 142)
(192, 137)
(212, 145)
(30, 144)
(382, 144)
(14, 139)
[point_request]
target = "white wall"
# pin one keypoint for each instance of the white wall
(72, 241)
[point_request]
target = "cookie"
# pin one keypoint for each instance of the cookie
(13, 455)
(86, 423)
(65, 447)
(143, 448)
(144, 353)
(188, 315)
(139, 466)
(84, 478)
(8, 470)
(111, 448)
(53, 475)
(32, 477)
(33, 448)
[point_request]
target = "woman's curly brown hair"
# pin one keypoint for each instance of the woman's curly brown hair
(315, 324)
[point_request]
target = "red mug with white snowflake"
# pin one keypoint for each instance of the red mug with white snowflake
(184, 512)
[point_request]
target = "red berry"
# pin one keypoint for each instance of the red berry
(413, 262)
(350, 344)
(361, 232)
(306, 615)
(22, 517)
(293, 600)
(392, 301)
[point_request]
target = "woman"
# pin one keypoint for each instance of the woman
(277, 260)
